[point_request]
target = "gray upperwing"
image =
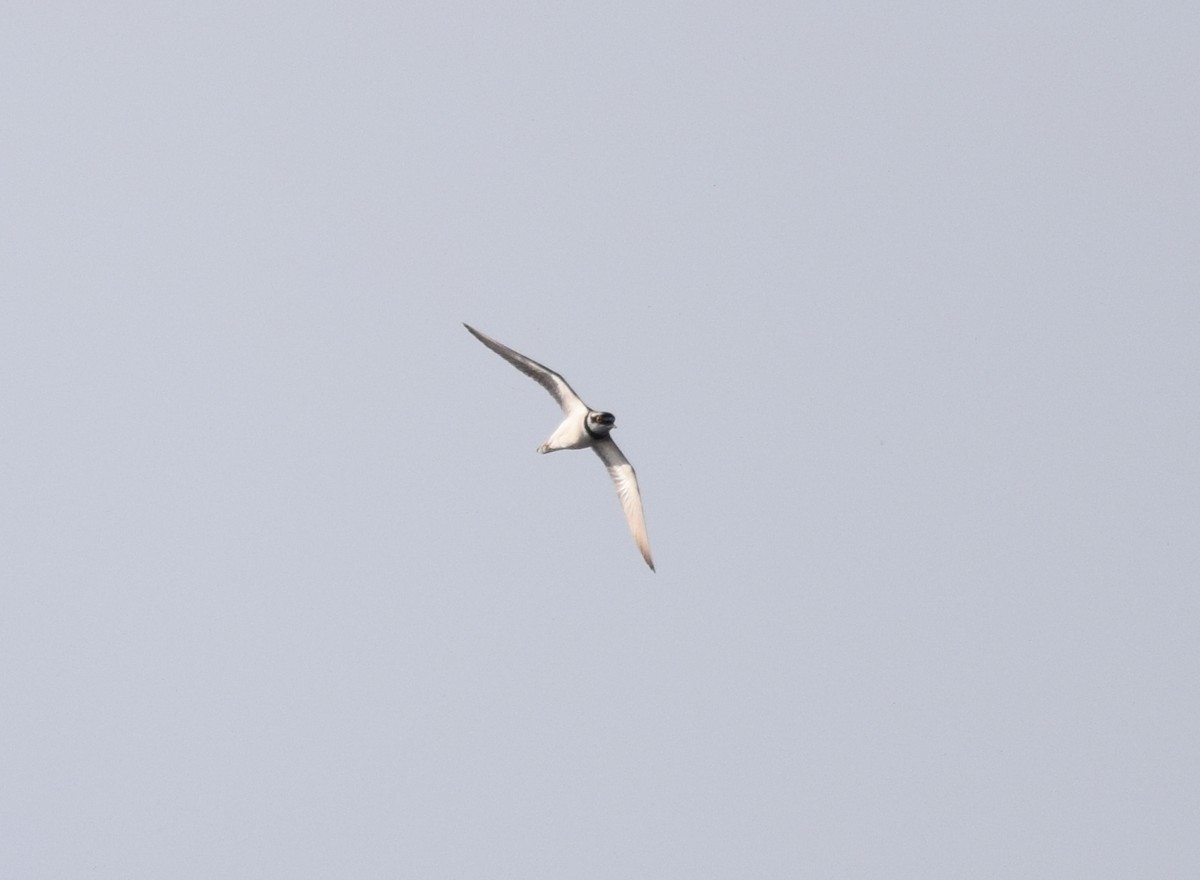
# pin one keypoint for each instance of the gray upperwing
(544, 376)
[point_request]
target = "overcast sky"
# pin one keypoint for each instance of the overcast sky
(898, 310)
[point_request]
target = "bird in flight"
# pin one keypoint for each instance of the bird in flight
(581, 428)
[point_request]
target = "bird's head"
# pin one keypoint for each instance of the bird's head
(601, 422)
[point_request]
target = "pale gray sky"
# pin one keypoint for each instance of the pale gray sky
(899, 313)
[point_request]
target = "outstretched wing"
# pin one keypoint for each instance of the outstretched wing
(544, 376)
(625, 479)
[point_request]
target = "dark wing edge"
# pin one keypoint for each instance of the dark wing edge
(543, 375)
